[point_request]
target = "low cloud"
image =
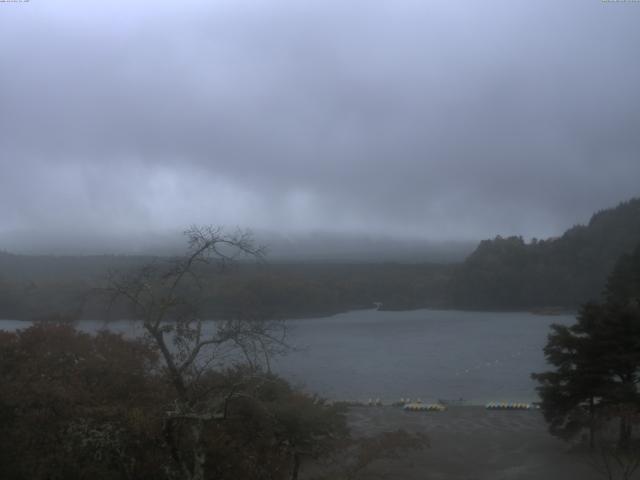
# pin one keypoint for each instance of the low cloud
(434, 120)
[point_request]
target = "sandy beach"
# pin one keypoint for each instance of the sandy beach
(472, 443)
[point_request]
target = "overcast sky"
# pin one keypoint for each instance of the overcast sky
(428, 119)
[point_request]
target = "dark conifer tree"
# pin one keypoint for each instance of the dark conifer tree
(596, 360)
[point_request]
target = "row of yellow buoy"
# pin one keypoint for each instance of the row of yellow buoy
(508, 406)
(425, 407)
(401, 403)
(404, 401)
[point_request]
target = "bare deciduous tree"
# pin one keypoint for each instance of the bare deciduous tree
(165, 297)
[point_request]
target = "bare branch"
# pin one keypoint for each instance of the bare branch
(166, 298)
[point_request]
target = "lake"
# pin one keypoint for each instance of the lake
(428, 354)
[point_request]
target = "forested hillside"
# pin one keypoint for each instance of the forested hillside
(508, 273)
(39, 287)
(503, 273)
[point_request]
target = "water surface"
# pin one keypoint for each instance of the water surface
(428, 354)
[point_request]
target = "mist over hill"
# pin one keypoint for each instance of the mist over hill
(280, 247)
(322, 274)
(323, 247)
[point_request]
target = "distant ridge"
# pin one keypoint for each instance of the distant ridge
(508, 273)
(546, 276)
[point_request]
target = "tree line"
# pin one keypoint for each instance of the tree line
(510, 273)
(503, 274)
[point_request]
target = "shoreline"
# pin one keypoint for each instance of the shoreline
(541, 311)
(471, 442)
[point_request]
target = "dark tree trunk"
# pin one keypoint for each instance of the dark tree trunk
(296, 466)
(625, 433)
(592, 421)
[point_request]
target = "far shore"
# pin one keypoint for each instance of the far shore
(542, 311)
